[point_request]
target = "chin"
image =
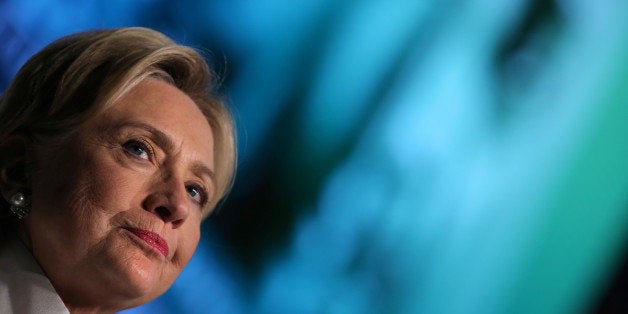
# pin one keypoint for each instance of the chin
(144, 278)
(134, 274)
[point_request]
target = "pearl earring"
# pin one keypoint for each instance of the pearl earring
(20, 206)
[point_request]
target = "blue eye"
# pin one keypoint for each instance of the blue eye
(138, 149)
(197, 193)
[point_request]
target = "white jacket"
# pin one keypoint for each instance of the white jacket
(24, 288)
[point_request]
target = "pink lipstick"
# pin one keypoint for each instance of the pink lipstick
(152, 239)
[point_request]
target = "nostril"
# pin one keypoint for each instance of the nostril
(163, 212)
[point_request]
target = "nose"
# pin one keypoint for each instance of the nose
(169, 201)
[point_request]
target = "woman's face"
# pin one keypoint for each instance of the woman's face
(116, 212)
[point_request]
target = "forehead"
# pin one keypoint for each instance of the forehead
(169, 110)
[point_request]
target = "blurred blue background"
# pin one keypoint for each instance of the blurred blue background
(398, 156)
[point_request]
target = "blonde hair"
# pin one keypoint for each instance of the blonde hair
(78, 77)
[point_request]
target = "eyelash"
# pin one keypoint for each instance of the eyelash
(142, 144)
(148, 149)
(201, 191)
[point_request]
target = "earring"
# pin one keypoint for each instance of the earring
(20, 206)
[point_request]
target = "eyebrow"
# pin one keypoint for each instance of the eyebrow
(165, 141)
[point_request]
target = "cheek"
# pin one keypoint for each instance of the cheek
(59, 192)
(107, 185)
(110, 188)
(85, 186)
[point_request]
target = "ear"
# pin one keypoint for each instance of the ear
(13, 170)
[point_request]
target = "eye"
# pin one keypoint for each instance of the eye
(197, 193)
(138, 148)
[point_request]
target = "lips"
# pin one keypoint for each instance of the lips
(152, 239)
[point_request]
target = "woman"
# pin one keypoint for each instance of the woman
(113, 150)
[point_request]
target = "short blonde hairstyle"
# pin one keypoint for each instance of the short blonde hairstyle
(78, 77)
